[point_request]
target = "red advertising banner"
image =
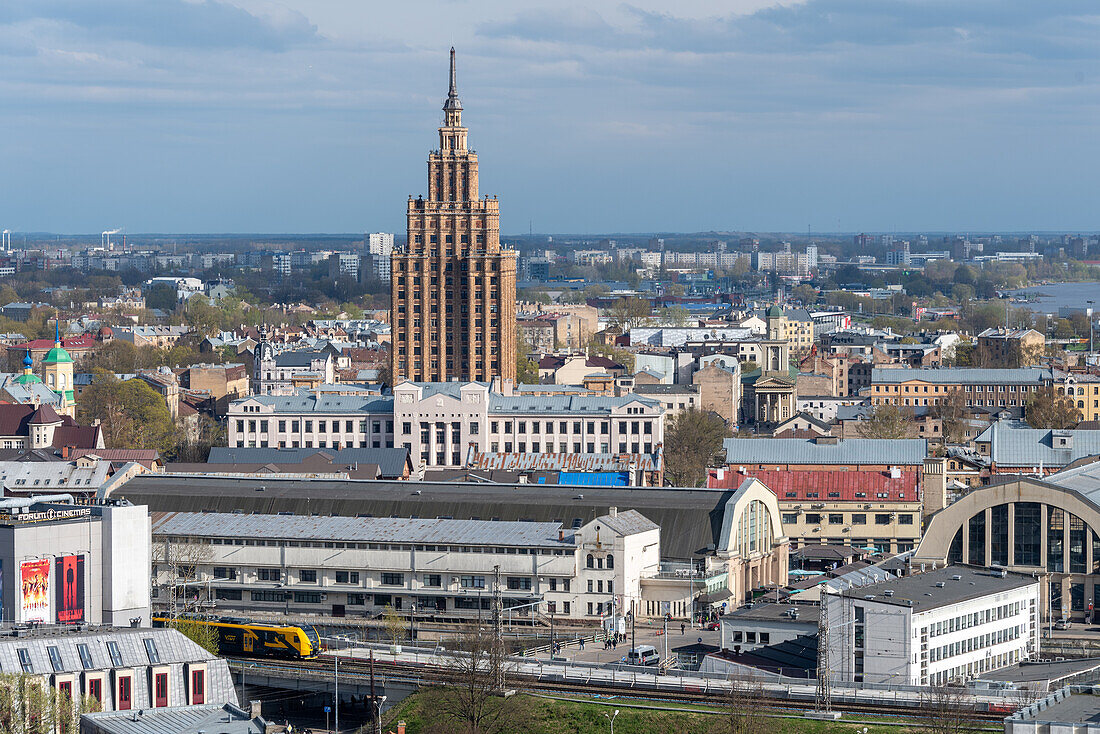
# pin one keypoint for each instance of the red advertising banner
(35, 593)
(68, 579)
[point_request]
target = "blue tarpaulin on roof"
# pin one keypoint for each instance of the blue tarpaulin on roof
(595, 479)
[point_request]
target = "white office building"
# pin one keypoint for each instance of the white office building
(947, 625)
(311, 420)
(379, 252)
(439, 422)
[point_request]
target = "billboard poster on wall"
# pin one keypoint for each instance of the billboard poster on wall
(34, 599)
(68, 580)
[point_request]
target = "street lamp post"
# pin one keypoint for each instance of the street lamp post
(378, 714)
(551, 635)
(611, 718)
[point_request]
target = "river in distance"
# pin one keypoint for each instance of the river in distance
(1049, 298)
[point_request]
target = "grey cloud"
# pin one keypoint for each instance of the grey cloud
(170, 23)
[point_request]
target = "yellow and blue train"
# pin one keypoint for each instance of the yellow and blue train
(237, 636)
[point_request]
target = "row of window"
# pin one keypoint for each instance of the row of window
(635, 427)
(970, 644)
(975, 668)
(836, 495)
(84, 651)
(858, 518)
(402, 547)
(349, 426)
(563, 447)
(430, 580)
(973, 619)
(966, 388)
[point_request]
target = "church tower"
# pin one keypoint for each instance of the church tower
(57, 371)
(453, 288)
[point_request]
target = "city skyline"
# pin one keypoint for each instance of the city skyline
(256, 117)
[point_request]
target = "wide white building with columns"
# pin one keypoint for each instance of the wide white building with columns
(440, 421)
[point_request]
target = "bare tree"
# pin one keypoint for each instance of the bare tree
(628, 313)
(887, 421)
(743, 709)
(952, 414)
(468, 701)
(175, 570)
(949, 710)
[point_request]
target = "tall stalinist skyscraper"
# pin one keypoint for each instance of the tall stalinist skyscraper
(453, 289)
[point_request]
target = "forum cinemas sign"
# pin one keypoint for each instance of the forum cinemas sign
(52, 515)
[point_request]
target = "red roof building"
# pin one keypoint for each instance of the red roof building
(858, 508)
(31, 427)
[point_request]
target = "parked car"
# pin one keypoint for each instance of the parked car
(1062, 624)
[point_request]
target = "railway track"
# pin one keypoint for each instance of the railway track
(424, 674)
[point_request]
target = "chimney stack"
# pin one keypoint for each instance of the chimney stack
(613, 511)
(254, 709)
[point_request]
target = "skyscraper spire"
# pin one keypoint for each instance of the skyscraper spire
(452, 102)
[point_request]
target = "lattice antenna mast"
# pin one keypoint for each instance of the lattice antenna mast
(497, 661)
(823, 699)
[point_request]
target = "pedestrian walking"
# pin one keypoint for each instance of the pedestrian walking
(582, 643)
(682, 627)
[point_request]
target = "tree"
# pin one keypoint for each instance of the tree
(627, 313)
(196, 449)
(949, 710)
(468, 702)
(887, 421)
(1050, 408)
(527, 369)
(743, 709)
(201, 316)
(133, 414)
(952, 414)
(674, 316)
(804, 293)
(203, 635)
(693, 442)
(29, 706)
(174, 564)
(396, 626)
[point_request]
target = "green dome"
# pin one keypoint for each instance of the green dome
(56, 355)
(775, 312)
(27, 379)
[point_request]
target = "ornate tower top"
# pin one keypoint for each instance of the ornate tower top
(452, 136)
(452, 102)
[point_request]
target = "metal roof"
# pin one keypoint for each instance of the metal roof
(572, 405)
(214, 717)
(824, 484)
(922, 591)
(360, 529)
(690, 519)
(1033, 447)
(172, 647)
(325, 403)
(391, 462)
(878, 451)
(962, 376)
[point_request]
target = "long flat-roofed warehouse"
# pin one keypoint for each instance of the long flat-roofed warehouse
(732, 537)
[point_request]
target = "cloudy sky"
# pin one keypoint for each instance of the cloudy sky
(769, 115)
